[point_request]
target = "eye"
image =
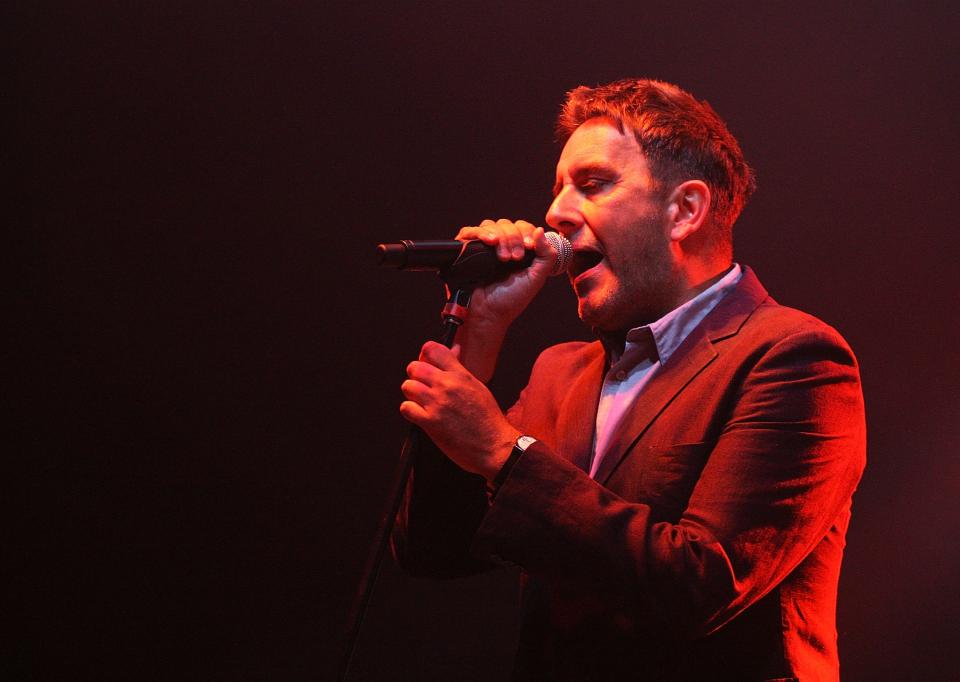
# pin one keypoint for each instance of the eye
(593, 185)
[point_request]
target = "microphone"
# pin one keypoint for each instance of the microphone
(470, 261)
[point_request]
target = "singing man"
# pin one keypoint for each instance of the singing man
(677, 492)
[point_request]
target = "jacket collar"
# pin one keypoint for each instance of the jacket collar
(691, 357)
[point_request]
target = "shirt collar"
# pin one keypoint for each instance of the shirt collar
(667, 333)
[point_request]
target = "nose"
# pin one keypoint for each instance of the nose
(564, 213)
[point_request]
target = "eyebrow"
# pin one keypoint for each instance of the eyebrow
(586, 170)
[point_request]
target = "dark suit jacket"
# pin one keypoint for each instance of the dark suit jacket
(709, 545)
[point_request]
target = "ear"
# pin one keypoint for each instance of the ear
(687, 209)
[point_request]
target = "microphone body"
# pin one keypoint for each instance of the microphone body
(470, 261)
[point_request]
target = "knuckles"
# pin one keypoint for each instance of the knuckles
(500, 228)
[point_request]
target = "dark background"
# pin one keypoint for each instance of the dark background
(205, 361)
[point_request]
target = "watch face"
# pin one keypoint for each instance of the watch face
(523, 442)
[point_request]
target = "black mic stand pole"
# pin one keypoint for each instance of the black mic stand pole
(454, 314)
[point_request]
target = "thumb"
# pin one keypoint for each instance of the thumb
(546, 255)
(439, 356)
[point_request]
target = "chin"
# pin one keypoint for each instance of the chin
(599, 303)
(611, 314)
(593, 315)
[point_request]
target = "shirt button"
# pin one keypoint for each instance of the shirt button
(621, 375)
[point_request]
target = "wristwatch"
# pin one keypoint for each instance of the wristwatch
(523, 442)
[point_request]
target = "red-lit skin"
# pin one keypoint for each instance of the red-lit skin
(605, 201)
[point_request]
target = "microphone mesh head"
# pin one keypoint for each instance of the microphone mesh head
(564, 251)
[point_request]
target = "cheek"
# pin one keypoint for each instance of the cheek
(643, 257)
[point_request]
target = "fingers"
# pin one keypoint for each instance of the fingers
(427, 372)
(415, 391)
(412, 412)
(439, 356)
(541, 246)
(423, 372)
(426, 375)
(430, 372)
(511, 238)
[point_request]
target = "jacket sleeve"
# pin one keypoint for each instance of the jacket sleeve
(442, 508)
(439, 515)
(781, 473)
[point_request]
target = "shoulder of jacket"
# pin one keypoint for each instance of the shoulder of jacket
(571, 352)
(772, 324)
(787, 320)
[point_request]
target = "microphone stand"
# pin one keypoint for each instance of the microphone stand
(454, 314)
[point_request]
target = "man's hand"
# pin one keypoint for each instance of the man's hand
(494, 307)
(501, 302)
(457, 411)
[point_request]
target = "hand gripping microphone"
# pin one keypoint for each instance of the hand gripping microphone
(467, 263)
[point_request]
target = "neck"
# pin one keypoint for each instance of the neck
(703, 280)
(689, 284)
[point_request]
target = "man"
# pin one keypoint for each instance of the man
(678, 492)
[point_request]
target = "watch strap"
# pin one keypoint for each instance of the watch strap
(523, 442)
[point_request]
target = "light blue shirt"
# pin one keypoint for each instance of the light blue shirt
(647, 349)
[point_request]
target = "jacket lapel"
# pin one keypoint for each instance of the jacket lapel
(576, 421)
(693, 355)
(686, 362)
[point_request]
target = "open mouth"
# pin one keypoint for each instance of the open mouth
(583, 260)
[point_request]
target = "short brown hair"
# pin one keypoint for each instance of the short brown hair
(681, 137)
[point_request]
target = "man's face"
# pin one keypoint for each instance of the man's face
(606, 202)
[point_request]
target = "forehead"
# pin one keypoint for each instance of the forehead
(598, 142)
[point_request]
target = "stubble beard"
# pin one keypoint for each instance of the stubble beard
(647, 289)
